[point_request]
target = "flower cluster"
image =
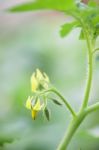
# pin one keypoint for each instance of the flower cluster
(39, 83)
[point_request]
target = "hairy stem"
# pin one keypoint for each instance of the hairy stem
(78, 120)
(90, 70)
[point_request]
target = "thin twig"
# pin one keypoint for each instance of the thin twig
(97, 49)
(92, 108)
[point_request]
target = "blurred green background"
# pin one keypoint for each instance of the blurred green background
(28, 41)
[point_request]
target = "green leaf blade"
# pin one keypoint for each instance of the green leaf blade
(60, 5)
(67, 28)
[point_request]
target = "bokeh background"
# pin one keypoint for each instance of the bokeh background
(28, 41)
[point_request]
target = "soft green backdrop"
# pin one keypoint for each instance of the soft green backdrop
(28, 41)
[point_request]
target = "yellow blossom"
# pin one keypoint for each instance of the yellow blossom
(39, 81)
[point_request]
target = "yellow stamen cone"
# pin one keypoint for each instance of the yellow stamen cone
(34, 114)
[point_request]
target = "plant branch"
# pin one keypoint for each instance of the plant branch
(97, 49)
(75, 123)
(92, 108)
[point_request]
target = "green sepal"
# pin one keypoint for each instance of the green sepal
(56, 102)
(47, 113)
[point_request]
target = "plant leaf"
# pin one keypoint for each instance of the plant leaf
(81, 37)
(95, 19)
(96, 33)
(47, 113)
(67, 28)
(60, 5)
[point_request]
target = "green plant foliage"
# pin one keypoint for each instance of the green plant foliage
(4, 140)
(61, 5)
(88, 14)
(92, 3)
(67, 28)
(88, 17)
(96, 33)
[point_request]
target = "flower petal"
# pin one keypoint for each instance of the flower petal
(46, 77)
(37, 106)
(28, 102)
(39, 75)
(34, 83)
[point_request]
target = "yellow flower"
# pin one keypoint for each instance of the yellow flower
(39, 81)
(28, 102)
(36, 108)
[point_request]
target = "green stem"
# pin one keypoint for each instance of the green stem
(97, 49)
(71, 130)
(90, 45)
(90, 70)
(65, 102)
(77, 121)
(92, 108)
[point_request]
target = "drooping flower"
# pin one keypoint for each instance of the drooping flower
(34, 107)
(39, 81)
